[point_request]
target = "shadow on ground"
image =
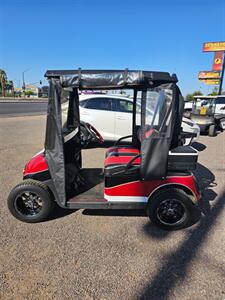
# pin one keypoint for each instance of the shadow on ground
(175, 266)
(198, 146)
(60, 212)
(116, 212)
(206, 181)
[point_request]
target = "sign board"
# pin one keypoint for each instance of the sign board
(213, 46)
(208, 75)
(217, 61)
(210, 81)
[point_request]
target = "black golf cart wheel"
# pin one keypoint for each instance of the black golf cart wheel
(170, 209)
(212, 130)
(30, 201)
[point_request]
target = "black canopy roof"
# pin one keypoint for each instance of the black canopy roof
(110, 79)
(154, 150)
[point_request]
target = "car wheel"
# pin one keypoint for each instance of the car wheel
(212, 130)
(30, 201)
(170, 209)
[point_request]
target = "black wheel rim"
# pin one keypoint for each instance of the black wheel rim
(171, 212)
(28, 204)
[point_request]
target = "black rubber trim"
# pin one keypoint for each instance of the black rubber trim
(41, 176)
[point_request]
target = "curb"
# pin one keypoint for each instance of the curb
(14, 100)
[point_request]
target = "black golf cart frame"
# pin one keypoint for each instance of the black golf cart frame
(154, 151)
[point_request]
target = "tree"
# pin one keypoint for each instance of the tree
(29, 93)
(190, 97)
(215, 91)
(3, 78)
(197, 93)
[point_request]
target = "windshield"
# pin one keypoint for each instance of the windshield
(160, 116)
(155, 107)
(156, 111)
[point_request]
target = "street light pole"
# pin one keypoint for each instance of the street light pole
(24, 86)
(222, 75)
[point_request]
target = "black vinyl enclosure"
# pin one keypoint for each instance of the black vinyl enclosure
(161, 116)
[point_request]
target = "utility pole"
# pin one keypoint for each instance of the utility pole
(24, 85)
(221, 78)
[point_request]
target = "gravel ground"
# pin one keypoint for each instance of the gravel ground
(109, 255)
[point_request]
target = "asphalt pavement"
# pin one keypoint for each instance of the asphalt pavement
(22, 109)
(88, 254)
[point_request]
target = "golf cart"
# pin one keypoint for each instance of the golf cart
(209, 113)
(152, 173)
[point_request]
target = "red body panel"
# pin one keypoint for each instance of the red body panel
(146, 188)
(36, 164)
(135, 190)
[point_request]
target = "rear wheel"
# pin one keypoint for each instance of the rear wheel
(170, 209)
(212, 130)
(30, 201)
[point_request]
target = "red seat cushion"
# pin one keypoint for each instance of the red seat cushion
(120, 160)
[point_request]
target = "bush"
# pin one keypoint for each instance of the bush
(29, 93)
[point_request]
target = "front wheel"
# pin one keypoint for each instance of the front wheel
(170, 209)
(30, 201)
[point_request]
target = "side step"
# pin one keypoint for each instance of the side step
(103, 204)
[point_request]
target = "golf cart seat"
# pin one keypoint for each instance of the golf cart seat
(128, 150)
(121, 165)
(180, 159)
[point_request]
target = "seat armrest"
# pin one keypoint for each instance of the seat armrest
(122, 138)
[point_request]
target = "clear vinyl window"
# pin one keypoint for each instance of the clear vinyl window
(157, 112)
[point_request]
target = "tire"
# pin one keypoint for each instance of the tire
(220, 124)
(212, 130)
(30, 201)
(162, 216)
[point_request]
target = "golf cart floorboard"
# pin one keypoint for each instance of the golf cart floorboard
(95, 194)
(91, 191)
(93, 198)
(97, 203)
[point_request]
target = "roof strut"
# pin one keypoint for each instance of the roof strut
(125, 76)
(79, 76)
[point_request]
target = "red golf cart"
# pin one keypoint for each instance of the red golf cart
(153, 172)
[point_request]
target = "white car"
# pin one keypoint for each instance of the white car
(111, 115)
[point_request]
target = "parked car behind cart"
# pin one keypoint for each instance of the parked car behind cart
(111, 115)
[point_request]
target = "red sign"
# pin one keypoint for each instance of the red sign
(217, 61)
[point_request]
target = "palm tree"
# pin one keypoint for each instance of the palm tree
(3, 78)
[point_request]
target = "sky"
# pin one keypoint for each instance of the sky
(156, 35)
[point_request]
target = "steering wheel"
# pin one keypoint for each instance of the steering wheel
(93, 134)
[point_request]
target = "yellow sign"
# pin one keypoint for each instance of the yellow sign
(208, 75)
(213, 46)
(218, 61)
(210, 81)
